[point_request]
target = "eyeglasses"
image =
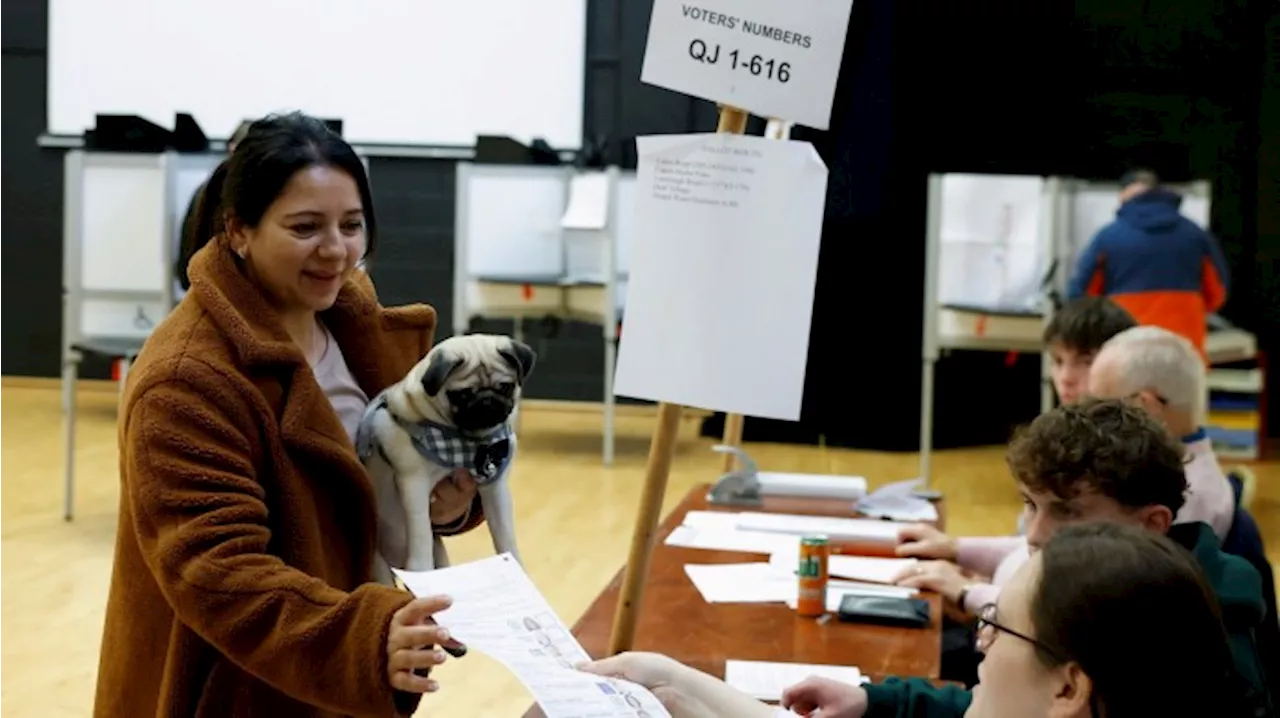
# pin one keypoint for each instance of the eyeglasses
(988, 627)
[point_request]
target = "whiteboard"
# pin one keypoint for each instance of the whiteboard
(993, 252)
(123, 226)
(395, 71)
(1093, 206)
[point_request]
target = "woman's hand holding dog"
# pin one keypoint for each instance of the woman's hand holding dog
(413, 644)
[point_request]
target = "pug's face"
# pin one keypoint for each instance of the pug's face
(474, 381)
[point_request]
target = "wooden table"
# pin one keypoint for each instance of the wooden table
(675, 620)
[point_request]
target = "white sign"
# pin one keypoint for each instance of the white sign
(723, 269)
(774, 58)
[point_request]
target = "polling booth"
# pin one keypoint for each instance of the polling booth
(533, 242)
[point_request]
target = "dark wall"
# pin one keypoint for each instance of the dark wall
(31, 185)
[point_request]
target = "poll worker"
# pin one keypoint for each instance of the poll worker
(1105, 621)
(1073, 337)
(1160, 266)
(1099, 459)
(242, 581)
(1162, 373)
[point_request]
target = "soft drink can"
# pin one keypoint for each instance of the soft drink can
(811, 601)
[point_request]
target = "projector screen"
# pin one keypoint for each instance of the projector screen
(394, 71)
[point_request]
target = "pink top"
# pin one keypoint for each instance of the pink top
(1209, 500)
(339, 386)
(998, 557)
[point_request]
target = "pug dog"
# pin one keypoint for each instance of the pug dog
(449, 415)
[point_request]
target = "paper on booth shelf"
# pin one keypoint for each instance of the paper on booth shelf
(896, 501)
(836, 529)
(766, 680)
(741, 582)
(726, 240)
(498, 611)
(588, 202)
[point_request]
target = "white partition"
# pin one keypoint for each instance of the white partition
(118, 243)
(539, 241)
(989, 241)
(992, 248)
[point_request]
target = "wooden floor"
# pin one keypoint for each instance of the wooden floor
(574, 523)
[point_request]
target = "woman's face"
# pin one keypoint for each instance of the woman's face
(309, 240)
(1012, 682)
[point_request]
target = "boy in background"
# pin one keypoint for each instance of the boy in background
(1074, 337)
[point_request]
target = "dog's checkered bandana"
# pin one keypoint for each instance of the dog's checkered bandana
(486, 457)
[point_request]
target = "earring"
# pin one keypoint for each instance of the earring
(240, 252)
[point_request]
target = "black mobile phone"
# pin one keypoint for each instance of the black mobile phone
(885, 611)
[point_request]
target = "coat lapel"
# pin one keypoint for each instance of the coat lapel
(375, 354)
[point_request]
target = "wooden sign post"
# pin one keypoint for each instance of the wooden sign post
(779, 58)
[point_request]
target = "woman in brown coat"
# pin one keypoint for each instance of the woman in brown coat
(243, 563)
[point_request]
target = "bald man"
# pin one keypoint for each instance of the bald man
(1162, 372)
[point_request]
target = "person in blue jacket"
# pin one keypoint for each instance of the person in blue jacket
(1158, 265)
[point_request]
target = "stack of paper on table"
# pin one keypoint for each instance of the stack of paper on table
(817, 486)
(765, 583)
(718, 531)
(835, 529)
(765, 681)
(741, 583)
(497, 610)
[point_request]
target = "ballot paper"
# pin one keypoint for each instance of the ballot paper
(588, 202)
(857, 568)
(727, 229)
(741, 582)
(498, 611)
(766, 680)
(722, 539)
(836, 529)
(896, 501)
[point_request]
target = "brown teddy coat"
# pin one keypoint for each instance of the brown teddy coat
(246, 539)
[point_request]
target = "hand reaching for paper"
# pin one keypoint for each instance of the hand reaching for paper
(925, 541)
(825, 697)
(685, 692)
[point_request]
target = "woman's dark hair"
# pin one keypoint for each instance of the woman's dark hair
(1134, 611)
(272, 150)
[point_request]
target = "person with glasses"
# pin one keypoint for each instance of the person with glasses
(1161, 372)
(1095, 461)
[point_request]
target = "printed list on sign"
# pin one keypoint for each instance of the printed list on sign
(725, 254)
(721, 181)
